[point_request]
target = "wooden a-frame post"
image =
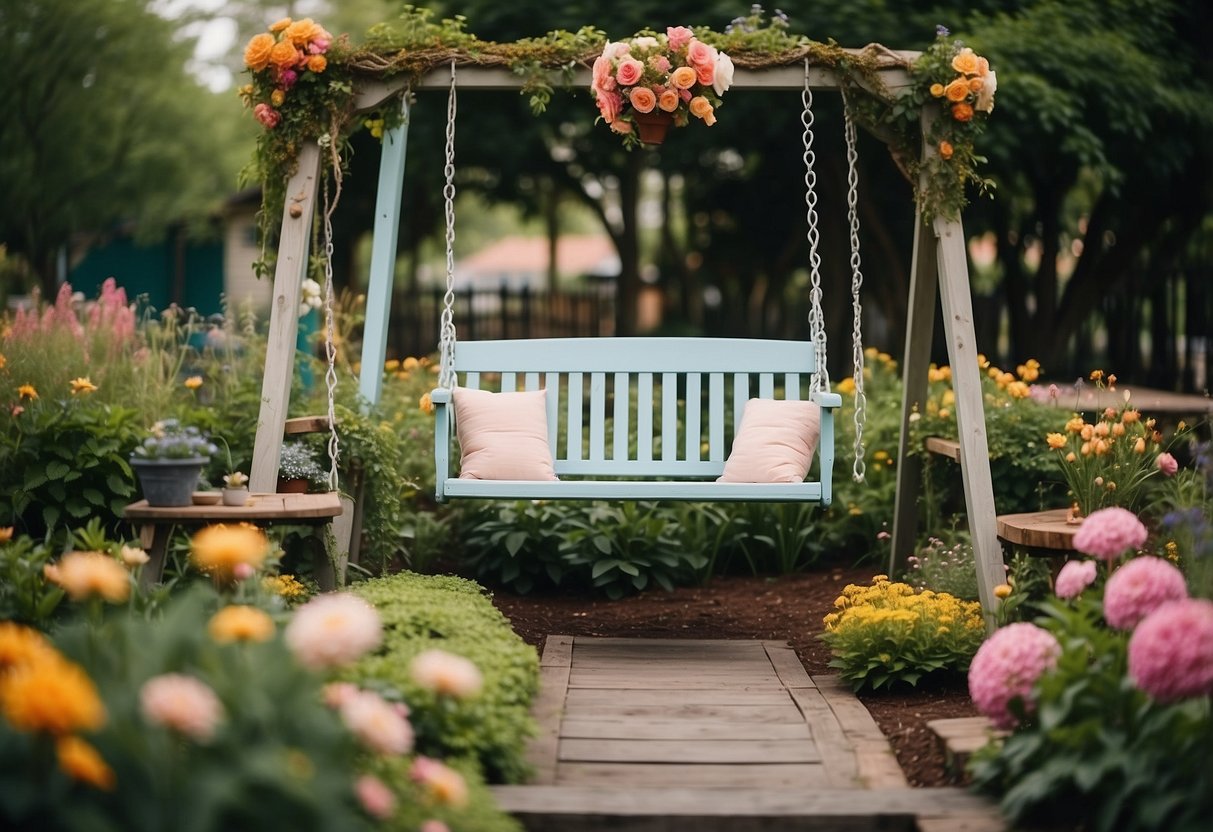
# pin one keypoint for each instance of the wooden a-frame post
(940, 269)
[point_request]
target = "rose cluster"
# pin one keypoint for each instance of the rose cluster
(674, 73)
(287, 53)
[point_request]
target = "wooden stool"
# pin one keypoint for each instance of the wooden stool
(156, 524)
(1040, 534)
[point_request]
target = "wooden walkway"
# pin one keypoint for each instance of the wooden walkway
(669, 734)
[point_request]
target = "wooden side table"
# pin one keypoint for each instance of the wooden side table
(156, 523)
(1039, 532)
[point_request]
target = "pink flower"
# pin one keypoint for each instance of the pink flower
(243, 571)
(706, 73)
(338, 693)
(700, 54)
(1109, 532)
(445, 785)
(642, 99)
(1006, 667)
(375, 797)
(182, 703)
(1074, 577)
(621, 127)
(601, 72)
(377, 724)
(1171, 651)
(629, 72)
(445, 673)
(609, 104)
(287, 78)
(333, 630)
(432, 825)
(660, 63)
(1167, 464)
(267, 115)
(1138, 588)
(678, 36)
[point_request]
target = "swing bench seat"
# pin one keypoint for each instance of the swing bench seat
(669, 405)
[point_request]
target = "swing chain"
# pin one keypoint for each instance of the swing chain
(446, 375)
(861, 400)
(817, 332)
(330, 338)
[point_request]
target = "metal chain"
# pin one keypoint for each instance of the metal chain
(446, 344)
(861, 400)
(330, 334)
(817, 331)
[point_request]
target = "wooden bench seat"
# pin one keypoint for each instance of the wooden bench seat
(685, 395)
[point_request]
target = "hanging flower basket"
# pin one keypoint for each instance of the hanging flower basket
(652, 127)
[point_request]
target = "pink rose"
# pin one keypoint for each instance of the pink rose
(678, 36)
(601, 72)
(685, 95)
(609, 104)
(643, 100)
(267, 115)
(660, 63)
(1167, 464)
(287, 78)
(706, 73)
(621, 127)
(629, 72)
(700, 54)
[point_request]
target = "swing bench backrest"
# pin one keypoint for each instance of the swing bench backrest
(653, 417)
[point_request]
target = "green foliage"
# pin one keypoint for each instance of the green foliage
(424, 612)
(888, 635)
(1099, 753)
(25, 595)
(945, 568)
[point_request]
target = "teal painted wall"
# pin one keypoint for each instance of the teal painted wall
(148, 270)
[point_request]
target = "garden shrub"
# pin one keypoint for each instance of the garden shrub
(886, 634)
(422, 612)
(945, 568)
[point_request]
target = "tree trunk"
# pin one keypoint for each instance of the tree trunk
(628, 291)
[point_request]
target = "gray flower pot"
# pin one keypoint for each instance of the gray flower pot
(169, 482)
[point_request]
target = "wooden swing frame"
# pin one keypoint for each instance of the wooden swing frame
(939, 269)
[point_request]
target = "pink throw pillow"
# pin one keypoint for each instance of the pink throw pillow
(775, 442)
(504, 436)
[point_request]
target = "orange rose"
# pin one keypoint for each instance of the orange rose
(668, 101)
(965, 62)
(257, 53)
(643, 99)
(945, 150)
(280, 25)
(958, 90)
(937, 90)
(683, 78)
(317, 63)
(302, 31)
(702, 108)
(976, 84)
(284, 55)
(983, 67)
(962, 112)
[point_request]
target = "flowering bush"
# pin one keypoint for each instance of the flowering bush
(170, 439)
(887, 633)
(673, 73)
(287, 64)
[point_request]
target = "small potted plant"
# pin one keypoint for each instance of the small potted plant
(298, 469)
(235, 483)
(170, 461)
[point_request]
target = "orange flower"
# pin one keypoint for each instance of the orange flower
(937, 90)
(21, 645)
(643, 99)
(257, 53)
(1056, 441)
(284, 55)
(280, 25)
(426, 405)
(221, 547)
(80, 761)
(976, 84)
(683, 78)
(702, 108)
(302, 31)
(193, 382)
(958, 90)
(668, 101)
(240, 623)
(6, 534)
(85, 574)
(317, 63)
(945, 150)
(27, 391)
(962, 112)
(51, 694)
(82, 385)
(277, 97)
(965, 62)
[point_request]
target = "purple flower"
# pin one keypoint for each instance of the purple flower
(1171, 651)
(1109, 533)
(941, 31)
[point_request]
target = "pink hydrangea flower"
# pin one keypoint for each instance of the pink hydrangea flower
(1109, 533)
(377, 724)
(445, 673)
(182, 703)
(1171, 651)
(375, 797)
(333, 630)
(1074, 577)
(1006, 667)
(1167, 464)
(1138, 588)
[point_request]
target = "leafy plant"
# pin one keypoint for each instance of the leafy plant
(519, 545)
(25, 595)
(887, 634)
(170, 439)
(297, 460)
(944, 568)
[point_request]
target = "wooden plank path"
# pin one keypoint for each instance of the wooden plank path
(672, 734)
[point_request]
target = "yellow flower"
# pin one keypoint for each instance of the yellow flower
(1002, 590)
(3, 361)
(220, 547)
(846, 387)
(82, 385)
(411, 363)
(1056, 440)
(965, 62)
(937, 91)
(948, 398)
(27, 391)
(240, 623)
(285, 586)
(1070, 457)
(426, 404)
(80, 761)
(193, 382)
(51, 694)
(944, 413)
(257, 53)
(277, 97)
(1018, 390)
(85, 574)
(391, 365)
(880, 456)
(1140, 445)
(1097, 375)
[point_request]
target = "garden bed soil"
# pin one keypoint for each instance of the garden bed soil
(788, 608)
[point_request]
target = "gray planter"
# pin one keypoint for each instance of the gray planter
(169, 482)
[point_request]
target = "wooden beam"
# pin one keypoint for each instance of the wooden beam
(383, 258)
(289, 272)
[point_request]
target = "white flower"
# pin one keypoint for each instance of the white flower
(614, 50)
(724, 73)
(985, 96)
(644, 42)
(333, 630)
(133, 556)
(446, 673)
(376, 723)
(182, 703)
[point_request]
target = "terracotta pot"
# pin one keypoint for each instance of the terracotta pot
(295, 485)
(652, 127)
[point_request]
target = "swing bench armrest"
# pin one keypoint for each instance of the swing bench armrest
(825, 447)
(440, 397)
(827, 399)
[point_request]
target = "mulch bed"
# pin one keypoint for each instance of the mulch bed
(788, 608)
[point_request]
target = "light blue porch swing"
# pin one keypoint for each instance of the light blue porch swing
(680, 450)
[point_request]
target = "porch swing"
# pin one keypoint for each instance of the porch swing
(502, 444)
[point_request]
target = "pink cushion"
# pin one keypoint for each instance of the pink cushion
(775, 443)
(504, 436)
